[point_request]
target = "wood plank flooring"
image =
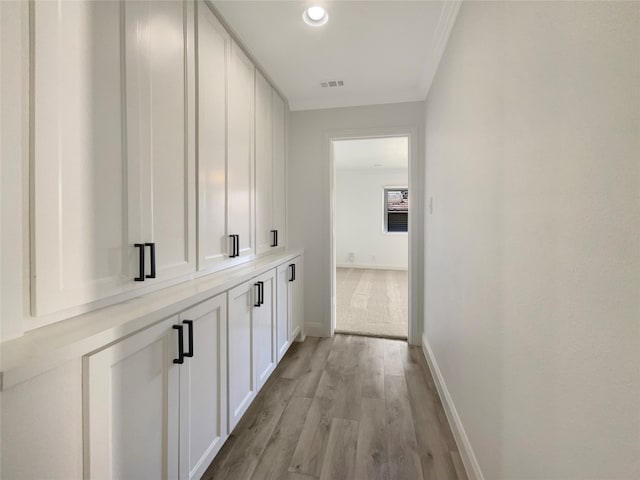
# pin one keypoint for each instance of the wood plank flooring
(348, 407)
(372, 302)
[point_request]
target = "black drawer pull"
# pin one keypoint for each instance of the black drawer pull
(152, 260)
(189, 324)
(257, 294)
(292, 266)
(235, 246)
(140, 277)
(180, 358)
(261, 290)
(274, 238)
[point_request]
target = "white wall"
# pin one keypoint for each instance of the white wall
(533, 258)
(308, 194)
(360, 216)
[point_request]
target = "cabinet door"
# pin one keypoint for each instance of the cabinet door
(265, 356)
(241, 380)
(213, 46)
(283, 327)
(203, 387)
(264, 167)
(240, 150)
(131, 411)
(160, 131)
(80, 238)
(295, 300)
(279, 172)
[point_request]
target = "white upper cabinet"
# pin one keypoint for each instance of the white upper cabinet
(270, 167)
(213, 51)
(80, 237)
(158, 150)
(264, 166)
(279, 171)
(240, 128)
(160, 132)
(114, 141)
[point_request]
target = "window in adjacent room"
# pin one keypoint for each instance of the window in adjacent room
(396, 209)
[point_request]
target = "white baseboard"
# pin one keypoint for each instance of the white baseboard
(370, 267)
(315, 329)
(469, 459)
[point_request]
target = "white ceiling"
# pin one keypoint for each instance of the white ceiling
(391, 152)
(384, 51)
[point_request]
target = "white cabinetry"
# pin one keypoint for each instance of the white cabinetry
(149, 416)
(225, 147)
(252, 352)
(264, 166)
(240, 128)
(295, 299)
(203, 388)
(270, 167)
(213, 50)
(242, 379)
(289, 304)
(113, 158)
(160, 132)
(80, 239)
(131, 407)
(264, 328)
(279, 171)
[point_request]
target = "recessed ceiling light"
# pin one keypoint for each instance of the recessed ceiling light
(315, 16)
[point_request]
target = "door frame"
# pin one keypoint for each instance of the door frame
(416, 219)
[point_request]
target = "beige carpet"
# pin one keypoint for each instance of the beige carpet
(372, 302)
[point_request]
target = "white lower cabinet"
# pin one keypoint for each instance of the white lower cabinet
(203, 388)
(289, 304)
(283, 320)
(162, 402)
(295, 299)
(146, 415)
(252, 352)
(265, 356)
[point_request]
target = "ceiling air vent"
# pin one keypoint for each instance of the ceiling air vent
(332, 83)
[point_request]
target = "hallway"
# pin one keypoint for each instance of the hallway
(372, 302)
(350, 407)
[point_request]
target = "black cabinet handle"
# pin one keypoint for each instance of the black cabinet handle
(292, 266)
(261, 292)
(189, 324)
(180, 358)
(274, 238)
(235, 246)
(257, 302)
(152, 254)
(140, 277)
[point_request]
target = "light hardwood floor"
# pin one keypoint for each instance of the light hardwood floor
(348, 407)
(372, 302)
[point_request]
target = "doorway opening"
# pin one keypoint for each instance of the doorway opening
(371, 235)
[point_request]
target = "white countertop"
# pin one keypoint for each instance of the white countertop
(45, 348)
